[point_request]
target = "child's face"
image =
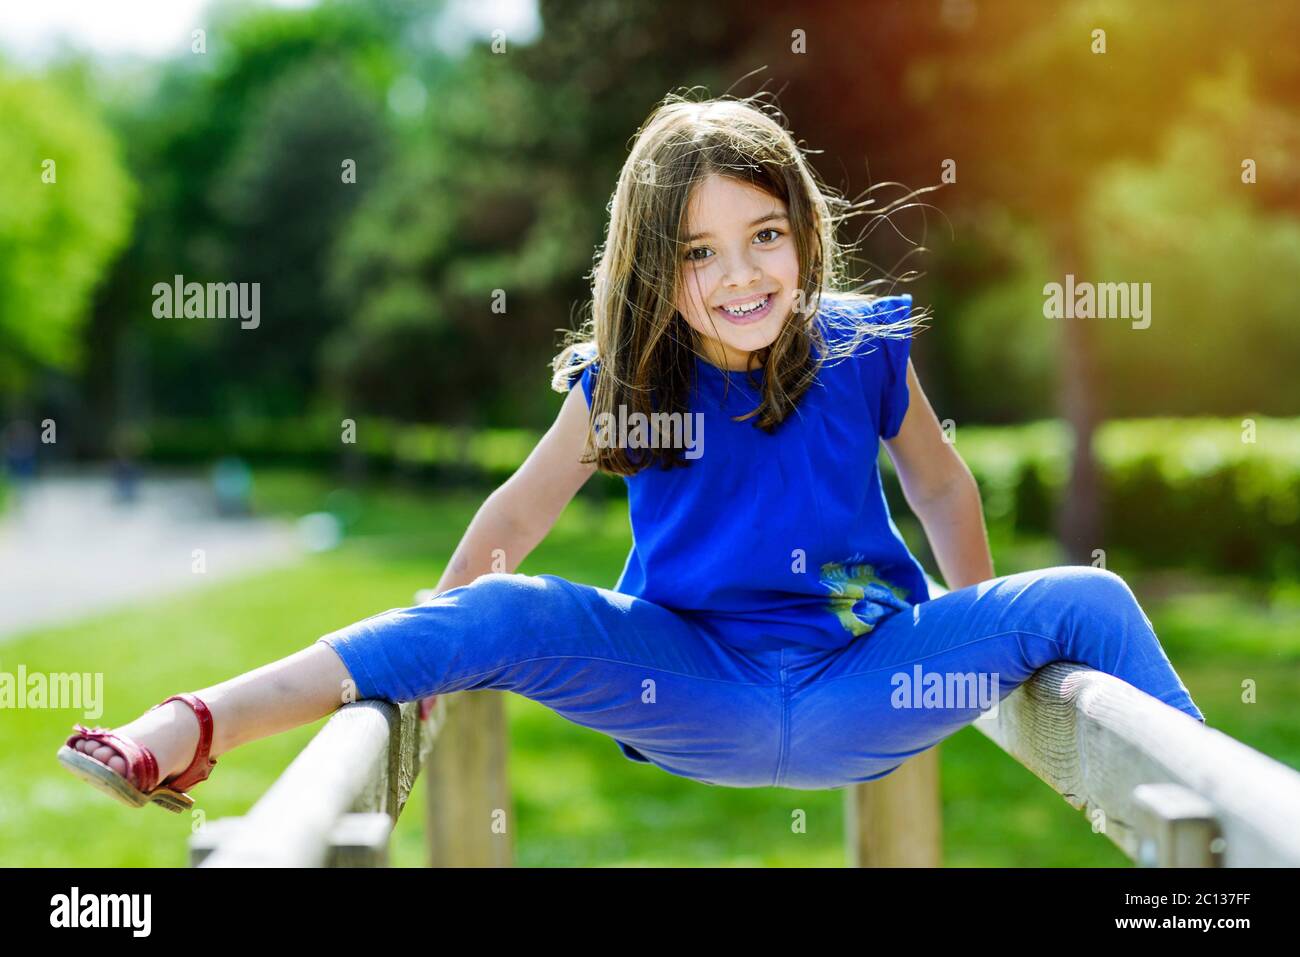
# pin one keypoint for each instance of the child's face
(742, 252)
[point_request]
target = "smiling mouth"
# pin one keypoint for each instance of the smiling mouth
(748, 311)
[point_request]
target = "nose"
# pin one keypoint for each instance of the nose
(741, 271)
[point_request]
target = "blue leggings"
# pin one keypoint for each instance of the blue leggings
(671, 693)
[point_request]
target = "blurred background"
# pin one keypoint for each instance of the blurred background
(186, 498)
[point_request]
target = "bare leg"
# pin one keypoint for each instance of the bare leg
(276, 697)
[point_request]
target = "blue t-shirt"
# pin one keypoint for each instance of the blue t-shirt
(767, 539)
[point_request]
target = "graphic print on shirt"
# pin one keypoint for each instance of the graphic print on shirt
(859, 597)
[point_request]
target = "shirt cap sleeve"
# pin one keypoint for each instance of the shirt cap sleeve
(891, 365)
(587, 375)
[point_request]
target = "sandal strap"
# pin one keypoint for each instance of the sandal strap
(201, 766)
(141, 765)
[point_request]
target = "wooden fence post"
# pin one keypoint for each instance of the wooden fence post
(470, 822)
(897, 821)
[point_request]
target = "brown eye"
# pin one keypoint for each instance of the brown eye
(770, 229)
(691, 257)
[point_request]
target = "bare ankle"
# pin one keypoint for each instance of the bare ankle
(171, 732)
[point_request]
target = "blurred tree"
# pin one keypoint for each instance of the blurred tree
(417, 271)
(1223, 333)
(503, 195)
(1036, 102)
(310, 150)
(240, 153)
(65, 212)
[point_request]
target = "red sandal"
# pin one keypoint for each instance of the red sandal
(140, 784)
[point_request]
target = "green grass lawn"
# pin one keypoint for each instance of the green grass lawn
(577, 800)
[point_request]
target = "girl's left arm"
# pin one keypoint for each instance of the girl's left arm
(941, 491)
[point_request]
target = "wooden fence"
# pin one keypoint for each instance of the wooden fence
(336, 804)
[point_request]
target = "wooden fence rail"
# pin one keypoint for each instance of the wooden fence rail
(1165, 789)
(336, 804)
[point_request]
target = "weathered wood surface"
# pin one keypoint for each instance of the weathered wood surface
(1095, 739)
(469, 819)
(898, 820)
(365, 759)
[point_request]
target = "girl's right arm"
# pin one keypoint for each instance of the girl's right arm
(519, 514)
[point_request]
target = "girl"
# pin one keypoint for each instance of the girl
(770, 620)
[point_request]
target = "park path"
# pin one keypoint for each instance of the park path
(68, 551)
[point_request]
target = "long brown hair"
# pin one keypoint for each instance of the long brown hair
(634, 331)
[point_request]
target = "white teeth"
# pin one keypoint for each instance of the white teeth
(758, 304)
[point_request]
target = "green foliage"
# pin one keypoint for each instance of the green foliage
(1003, 354)
(242, 151)
(1221, 336)
(284, 200)
(474, 217)
(1122, 166)
(382, 447)
(56, 238)
(1214, 249)
(1178, 492)
(485, 176)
